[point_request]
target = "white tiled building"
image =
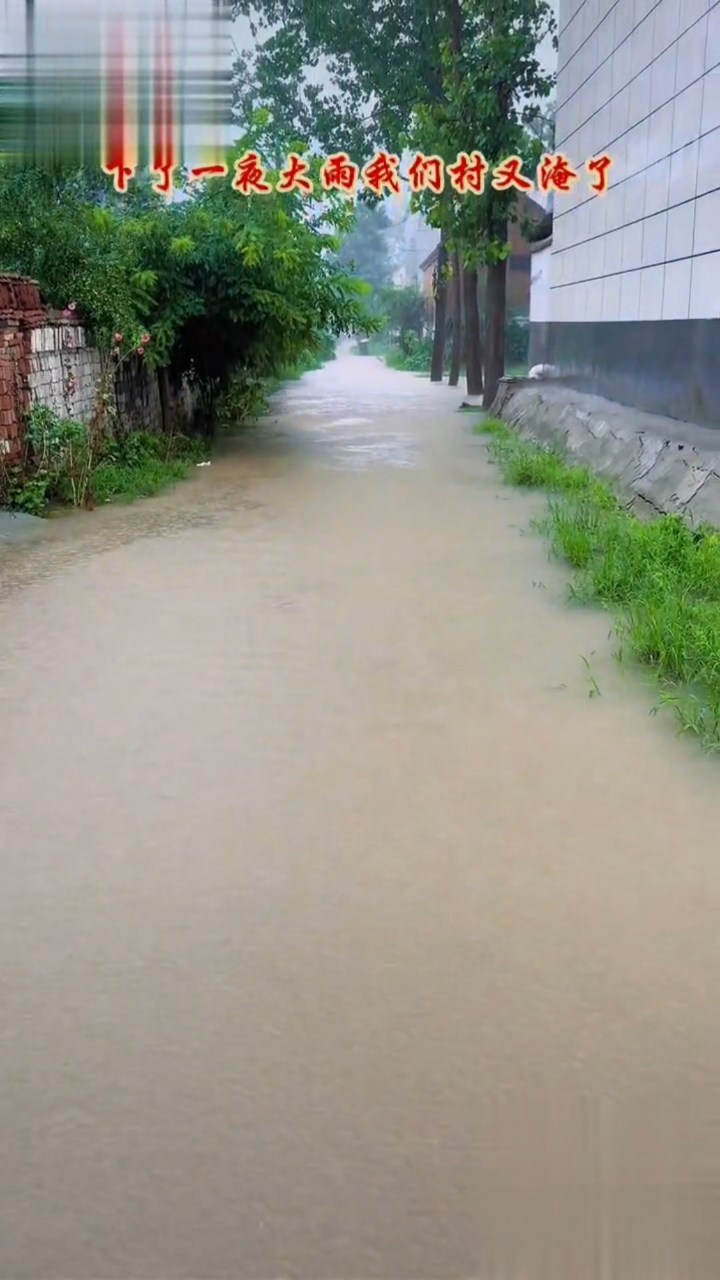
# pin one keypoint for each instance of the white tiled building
(635, 274)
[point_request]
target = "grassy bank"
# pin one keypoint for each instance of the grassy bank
(65, 465)
(147, 464)
(660, 579)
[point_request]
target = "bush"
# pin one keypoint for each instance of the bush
(67, 464)
(214, 282)
(115, 482)
(414, 359)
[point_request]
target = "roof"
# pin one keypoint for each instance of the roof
(541, 244)
(531, 208)
(431, 258)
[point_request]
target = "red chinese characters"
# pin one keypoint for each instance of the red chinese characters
(468, 173)
(164, 184)
(250, 175)
(381, 172)
(600, 166)
(208, 171)
(556, 174)
(508, 175)
(340, 174)
(121, 175)
(294, 177)
(426, 173)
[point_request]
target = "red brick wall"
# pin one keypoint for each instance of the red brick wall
(21, 313)
(21, 310)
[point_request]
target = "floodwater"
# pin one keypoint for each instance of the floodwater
(343, 934)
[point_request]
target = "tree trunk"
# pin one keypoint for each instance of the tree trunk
(495, 326)
(457, 320)
(164, 389)
(473, 341)
(438, 347)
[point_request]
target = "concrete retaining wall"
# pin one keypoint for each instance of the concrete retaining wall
(657, 465)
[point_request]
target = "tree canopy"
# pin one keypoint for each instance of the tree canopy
(219, 280)
(365, 250)
(440, 76)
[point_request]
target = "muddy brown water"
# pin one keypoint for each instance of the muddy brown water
(343, 934)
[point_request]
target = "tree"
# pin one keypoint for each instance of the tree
(492, 81)
(444, 73)
(365, 249)
(458, 326)
(513, 81)
(384, 60)
(404, 310)
(222, 283)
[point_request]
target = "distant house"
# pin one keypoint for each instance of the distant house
(414, 240)
(519, 262)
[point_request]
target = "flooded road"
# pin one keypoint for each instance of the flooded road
(343, 935)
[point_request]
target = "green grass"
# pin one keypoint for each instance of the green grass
(660, 578)
(142, 463)
(115, 482)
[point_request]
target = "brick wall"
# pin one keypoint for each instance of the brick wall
(46, 359)
(64, 372)
(21, 309)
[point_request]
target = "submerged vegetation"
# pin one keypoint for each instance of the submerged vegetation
(660, 579)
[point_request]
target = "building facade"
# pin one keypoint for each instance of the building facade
(634, 275)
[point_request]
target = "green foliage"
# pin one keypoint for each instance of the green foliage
(404, 310)
(61, 455)
(244, 400)
(113, 482)
(661, 578)
(24, 493)
(365, 250)
(247, 395)
(407, 75)
(415, 357)
(217, 281)
(68, 463)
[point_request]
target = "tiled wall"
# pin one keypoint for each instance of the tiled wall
(640, 81)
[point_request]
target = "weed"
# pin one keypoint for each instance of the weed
(113, 482)
(416, 359)
(489, 427)
(29, 495)
(594, 686)
(67, 462)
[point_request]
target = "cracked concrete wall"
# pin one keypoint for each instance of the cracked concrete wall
(656, 465)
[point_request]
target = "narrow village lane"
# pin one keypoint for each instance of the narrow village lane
(344, 936)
